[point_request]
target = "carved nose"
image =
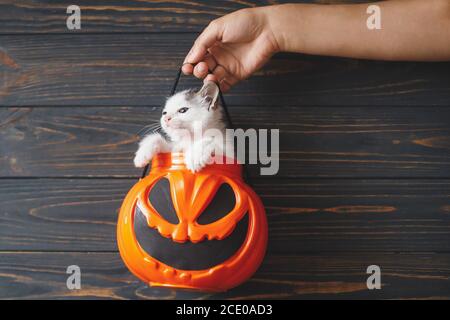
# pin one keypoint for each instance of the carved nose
(180, 234)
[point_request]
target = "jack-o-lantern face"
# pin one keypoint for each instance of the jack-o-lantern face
(206, 230)
(195, 240)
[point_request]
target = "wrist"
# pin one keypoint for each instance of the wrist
(274, 18)
(285, 21)
(272, 26)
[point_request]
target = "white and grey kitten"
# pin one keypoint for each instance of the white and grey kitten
(184, 114)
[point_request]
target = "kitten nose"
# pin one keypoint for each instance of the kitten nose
(167, 119)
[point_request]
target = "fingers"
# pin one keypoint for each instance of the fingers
(211, 77)
(222, 77)
(223, 84)
(202, 69)
(207, 39)
(219, 74)
(226, 83)
(199, 61)
(187, 68)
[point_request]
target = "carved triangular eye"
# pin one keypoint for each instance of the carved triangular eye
(222, 204)
(161, 200)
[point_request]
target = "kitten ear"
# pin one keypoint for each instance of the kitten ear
(210, 92)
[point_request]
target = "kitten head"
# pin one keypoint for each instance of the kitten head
(188, 110)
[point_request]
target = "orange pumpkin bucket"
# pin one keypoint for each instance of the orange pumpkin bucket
(205, 230)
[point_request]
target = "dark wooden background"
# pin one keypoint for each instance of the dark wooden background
(365, 155)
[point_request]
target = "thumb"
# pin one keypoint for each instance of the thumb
(212, 34)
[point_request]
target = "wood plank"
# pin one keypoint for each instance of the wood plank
(31, 16)
(42, 275)
(100, 69)
(139, 69)
(310, 215)
(314, 142)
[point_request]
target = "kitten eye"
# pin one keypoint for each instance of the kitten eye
(183, 110)
(164, 113)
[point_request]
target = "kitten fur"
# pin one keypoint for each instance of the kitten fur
(185, 113)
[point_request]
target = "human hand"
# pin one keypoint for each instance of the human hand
(233, 47)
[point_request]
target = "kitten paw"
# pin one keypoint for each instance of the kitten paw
(148, 147)
(142, 159)
(195, 161)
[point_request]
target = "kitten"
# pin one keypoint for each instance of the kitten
(194, 123)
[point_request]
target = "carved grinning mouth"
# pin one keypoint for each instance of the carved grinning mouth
(202, 255)
(188, 255)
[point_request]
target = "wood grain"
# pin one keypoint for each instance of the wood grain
(314, 141)
(139, 69)
(304, 215)
(42, 275)
(364, 174)
(31, 16)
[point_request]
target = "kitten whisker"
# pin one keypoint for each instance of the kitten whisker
(151, 125)
(146, 132)
(149, 128)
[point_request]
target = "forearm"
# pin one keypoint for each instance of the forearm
(410, 30)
